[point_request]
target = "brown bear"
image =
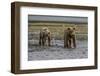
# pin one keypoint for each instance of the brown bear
(45, 36)
(69, 38)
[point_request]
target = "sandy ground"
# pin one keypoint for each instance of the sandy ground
(57, 51)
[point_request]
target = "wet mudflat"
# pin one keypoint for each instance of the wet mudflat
(57, 51)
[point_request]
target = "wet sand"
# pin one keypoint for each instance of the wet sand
(57, 51)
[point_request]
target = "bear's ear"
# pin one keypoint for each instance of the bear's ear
(74, 28)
